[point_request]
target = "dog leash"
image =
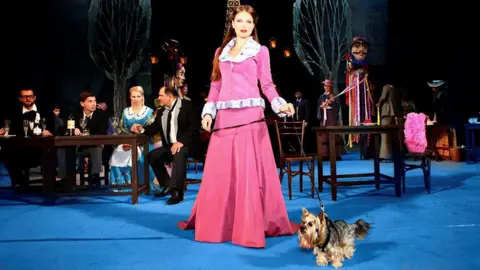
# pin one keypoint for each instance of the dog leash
(237, 126)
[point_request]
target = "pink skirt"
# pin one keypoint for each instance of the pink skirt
(240, 197)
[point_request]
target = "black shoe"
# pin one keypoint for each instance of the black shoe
(165, 191)
(177, 196)
(95, 181)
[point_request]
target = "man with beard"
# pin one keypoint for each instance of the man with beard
(19, 160)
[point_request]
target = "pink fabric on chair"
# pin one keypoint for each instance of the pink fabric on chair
(415, 132)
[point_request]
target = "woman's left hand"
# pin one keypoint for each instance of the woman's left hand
(288, 109)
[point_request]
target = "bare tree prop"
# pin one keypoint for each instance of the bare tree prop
(321, 32)
(118, 36)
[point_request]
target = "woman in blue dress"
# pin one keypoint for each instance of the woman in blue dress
(121, 160)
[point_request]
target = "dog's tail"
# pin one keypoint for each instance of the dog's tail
(361, 229)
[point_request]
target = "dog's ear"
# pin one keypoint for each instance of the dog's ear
(321, 216)
(304, 211)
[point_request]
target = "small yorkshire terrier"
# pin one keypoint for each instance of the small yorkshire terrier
(332, 241)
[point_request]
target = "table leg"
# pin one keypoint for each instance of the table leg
(473, 147)
(333, 165)
(397, 151)
(320, 162)
(146, 169)
(71, 167)
(376, 160)
(467, 142)
(134, 172)
(49, 154)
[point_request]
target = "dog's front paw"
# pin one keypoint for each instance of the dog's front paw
(337, 264)
(348, 252)
(321, 260)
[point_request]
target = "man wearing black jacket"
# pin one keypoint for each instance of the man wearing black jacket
(96, 124)
(178, 124)
(20, 159)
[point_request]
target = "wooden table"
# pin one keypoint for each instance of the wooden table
(50, 143)
(395, 132)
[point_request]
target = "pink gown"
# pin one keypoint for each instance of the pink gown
(240, 197)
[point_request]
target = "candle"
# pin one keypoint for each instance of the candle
(378, 116)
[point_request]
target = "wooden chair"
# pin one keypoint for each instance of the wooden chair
(295, 130)
(87, 167)
(193, 181)
(195, 163)
(425, 159)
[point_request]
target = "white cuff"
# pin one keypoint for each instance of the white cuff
(209, 108)
(277, 103)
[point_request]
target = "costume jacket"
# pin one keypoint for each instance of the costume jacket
(238, 87)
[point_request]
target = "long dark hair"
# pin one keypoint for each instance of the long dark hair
(216, 75)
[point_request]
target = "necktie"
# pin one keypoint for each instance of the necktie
(169, 124)
(88, 119)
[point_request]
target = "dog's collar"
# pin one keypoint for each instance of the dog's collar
(324, 245)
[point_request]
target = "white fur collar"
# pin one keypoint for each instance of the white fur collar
(250, 49)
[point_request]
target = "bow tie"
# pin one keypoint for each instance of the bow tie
(30, 115)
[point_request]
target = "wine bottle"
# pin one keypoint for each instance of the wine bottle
(71, 125)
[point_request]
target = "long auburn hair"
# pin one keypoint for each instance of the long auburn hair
(216, 75)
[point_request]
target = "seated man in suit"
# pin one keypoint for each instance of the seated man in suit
(18, 160)
(96, 124)
(178, 123)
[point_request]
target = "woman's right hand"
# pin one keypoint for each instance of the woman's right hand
(207, 122)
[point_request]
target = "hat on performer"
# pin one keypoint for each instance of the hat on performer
(360, 39)
(328, 82)
(435, 83)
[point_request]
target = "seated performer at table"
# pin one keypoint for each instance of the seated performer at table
(327, 113)
(96, 124)
(177, 122)
(390, 105)
(121, 160)
(18, 160)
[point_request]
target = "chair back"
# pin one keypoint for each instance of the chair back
(416, 133)
(290, 129)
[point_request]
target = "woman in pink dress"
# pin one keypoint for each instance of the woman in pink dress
(240, 197)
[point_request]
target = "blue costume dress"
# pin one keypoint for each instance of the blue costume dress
(121, 161)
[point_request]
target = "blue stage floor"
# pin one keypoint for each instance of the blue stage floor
(417, 231)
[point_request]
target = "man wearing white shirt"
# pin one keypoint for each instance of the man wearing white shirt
(178, 124)
(19, 159)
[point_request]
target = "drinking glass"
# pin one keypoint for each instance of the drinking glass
(26, 124)
(6, 126)
(43, 124)
(83, 125)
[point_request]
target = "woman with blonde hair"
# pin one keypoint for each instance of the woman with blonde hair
(121, 160)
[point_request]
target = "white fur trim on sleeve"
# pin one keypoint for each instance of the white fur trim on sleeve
(209, 108)
(277, 103)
